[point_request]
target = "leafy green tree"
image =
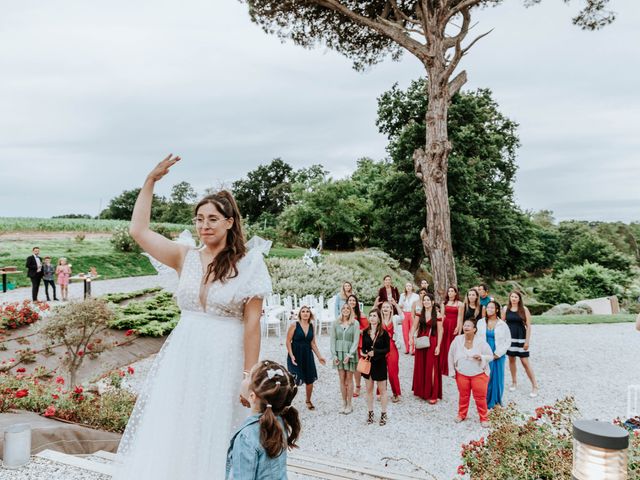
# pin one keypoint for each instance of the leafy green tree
(267, 189)
(488, 230)
(332, 211)
(435, 32)
(179, 209)
(121, 207)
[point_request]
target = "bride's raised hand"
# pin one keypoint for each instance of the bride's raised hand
(163, 167)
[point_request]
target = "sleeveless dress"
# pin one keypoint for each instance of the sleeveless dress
(427, 377)
(470, 314)
(189, 406)
(518, 335)
(449, 325)
(305, 372)
(496, 379)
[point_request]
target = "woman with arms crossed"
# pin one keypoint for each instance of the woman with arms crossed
(199, 370)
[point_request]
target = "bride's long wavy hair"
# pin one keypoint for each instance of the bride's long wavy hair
(225, 265)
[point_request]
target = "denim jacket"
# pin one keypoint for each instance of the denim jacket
(247, 459)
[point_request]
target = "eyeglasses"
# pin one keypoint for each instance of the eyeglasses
(210, 222)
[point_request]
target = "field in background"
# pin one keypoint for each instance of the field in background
(18, 224)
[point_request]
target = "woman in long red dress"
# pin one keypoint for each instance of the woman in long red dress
(354, 303)
(393, 357)
(453, 310)
(427, 377)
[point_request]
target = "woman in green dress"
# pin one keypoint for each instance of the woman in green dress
(345, 336)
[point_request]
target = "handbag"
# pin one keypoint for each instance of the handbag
(364, 366)
(364, 363)
(422, 342)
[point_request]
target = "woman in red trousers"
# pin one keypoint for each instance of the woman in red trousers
(427, 377)
(393, 357)
(469, 359)
(453, 310)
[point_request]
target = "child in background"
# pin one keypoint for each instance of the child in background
(47, 275)
(258, 450)
(64, 272)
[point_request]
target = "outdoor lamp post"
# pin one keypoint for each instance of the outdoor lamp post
(599, 451)
(17, 445)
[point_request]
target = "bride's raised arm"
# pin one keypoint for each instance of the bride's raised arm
(162, 249)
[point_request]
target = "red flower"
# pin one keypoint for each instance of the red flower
(121, 373)
(22, 393)
(78, 390)
(50, 411)
(90, 346)
(60, 380)
(80, 353)
(21, 370)
(129, 333)
(461, 470)
(130, 370)
(54, 396)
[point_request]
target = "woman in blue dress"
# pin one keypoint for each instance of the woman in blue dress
(497, 334)
(301, 345)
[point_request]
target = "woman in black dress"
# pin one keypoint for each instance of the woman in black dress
(301, 345)
(518, 320)
(472, 307)
(375, 347)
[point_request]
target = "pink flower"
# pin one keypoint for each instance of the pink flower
(130, 370)
(121, 373)
(60, 380)
(54, 396)
(50, 411)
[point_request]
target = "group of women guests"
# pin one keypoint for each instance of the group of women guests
(468, 340)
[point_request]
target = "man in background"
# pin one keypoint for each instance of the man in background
(34, 272)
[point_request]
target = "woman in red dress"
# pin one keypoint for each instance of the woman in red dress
(453, 310)
(354, 303)
(427, 377)
(393, 357)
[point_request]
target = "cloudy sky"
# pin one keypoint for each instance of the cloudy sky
(93, 94)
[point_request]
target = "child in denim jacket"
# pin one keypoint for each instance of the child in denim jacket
(258, 450)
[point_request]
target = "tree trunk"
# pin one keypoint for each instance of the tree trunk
(431, 166)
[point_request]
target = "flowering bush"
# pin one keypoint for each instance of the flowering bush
(17, 314)
(109, 411)
(537, 447)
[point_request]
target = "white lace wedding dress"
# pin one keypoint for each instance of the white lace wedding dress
(183, 420)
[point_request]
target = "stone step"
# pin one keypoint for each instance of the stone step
(299, 466)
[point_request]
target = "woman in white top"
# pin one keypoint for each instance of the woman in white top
(497, 334)
(469, 357)
(407, 299)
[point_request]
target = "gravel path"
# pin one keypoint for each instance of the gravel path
(595, 363)
(40, 469)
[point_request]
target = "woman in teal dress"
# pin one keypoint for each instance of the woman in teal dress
(345, 336)
(497, 334)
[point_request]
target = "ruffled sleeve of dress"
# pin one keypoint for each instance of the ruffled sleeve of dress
(254, 281)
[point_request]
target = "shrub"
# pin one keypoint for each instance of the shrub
(79, 326)
(537, 447)
(365, 269)
(590, 280)
(122, 241)
(15, 315)
(155, 316)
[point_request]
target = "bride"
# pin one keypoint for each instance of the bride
(182, 422)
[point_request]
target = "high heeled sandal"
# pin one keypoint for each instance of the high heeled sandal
(370, 418)
(383, 419)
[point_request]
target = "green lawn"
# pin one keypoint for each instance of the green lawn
(581, 319)
(94, 252)
(18, 224)
(282, 252)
